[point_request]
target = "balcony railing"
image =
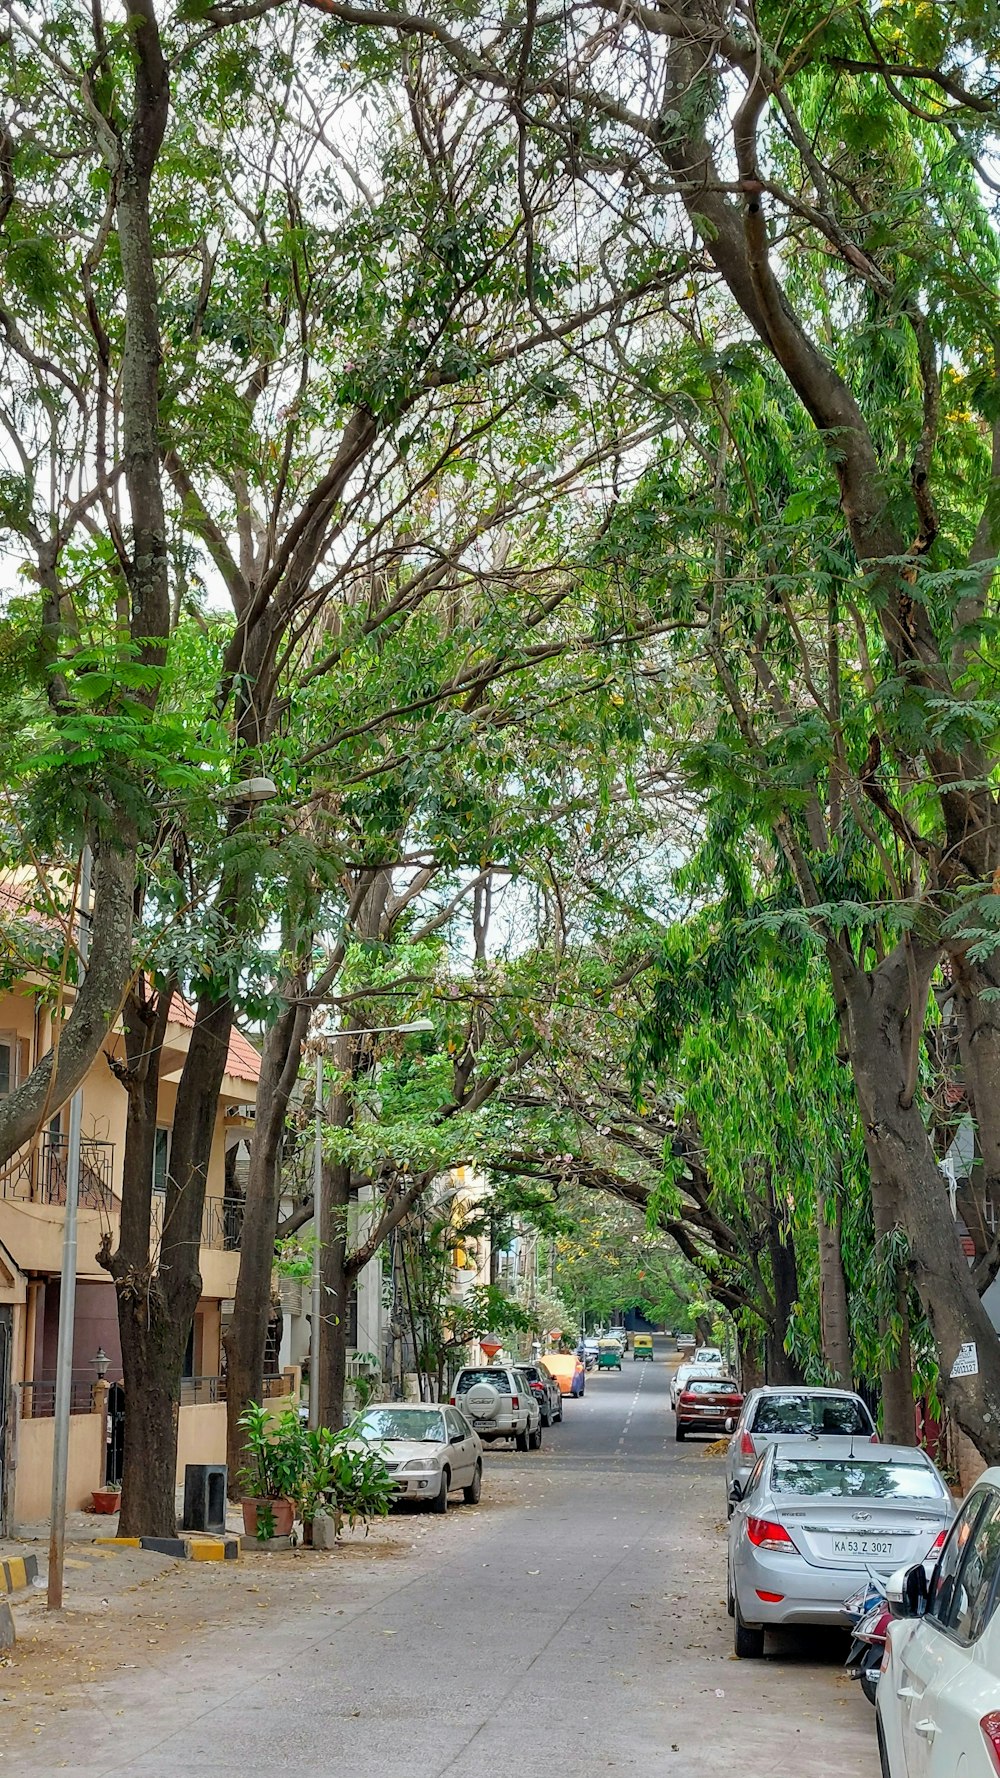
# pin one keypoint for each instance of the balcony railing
(221, 1222)
(38, 1399)
(38, 1175)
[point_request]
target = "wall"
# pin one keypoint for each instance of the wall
(201, 1435)
(33, 1480)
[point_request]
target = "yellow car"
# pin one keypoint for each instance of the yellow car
(567, 1369)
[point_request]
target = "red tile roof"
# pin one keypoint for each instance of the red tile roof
(242, 1062)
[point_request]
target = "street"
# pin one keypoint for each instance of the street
(574, 1623)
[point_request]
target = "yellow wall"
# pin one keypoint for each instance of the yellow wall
(33, 1479)
(201, 1435)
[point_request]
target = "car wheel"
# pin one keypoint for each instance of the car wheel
(560, 1413)
(440, 1502)
(730, 1601)
(535, 1438)
(546, 1418)
(679, 1433)
(869, 1680)
(471, 1494)
(748, 1639)
(521, 1442)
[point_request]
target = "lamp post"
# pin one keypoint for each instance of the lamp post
(67, 1292)
(414, 1025)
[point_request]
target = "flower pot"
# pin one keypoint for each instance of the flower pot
(283, 1512)
(106, 1500)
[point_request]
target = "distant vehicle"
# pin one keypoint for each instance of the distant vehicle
(705, 1404)
(642, 1347)
(499, 1402)
(609, 1356)
(568, 1371)
(936, 1706)
(815, 1521)
(428, 1450)
(781, 1413)
(707, 1362)
(545, 1389)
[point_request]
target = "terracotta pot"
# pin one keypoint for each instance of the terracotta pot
(282, 1510)
(106, 1500)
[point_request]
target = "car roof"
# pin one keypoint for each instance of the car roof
(806, 1389)
(832, 1449)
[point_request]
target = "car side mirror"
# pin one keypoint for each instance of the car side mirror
(906, 1591)
(736, 1493)
(730, 1424)
(457, 1438)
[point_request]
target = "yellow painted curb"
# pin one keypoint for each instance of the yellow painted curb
(121, 1543)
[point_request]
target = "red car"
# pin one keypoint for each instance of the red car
(705, 1404)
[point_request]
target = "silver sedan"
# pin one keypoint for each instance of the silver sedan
(428, 1450)
(815, 1522)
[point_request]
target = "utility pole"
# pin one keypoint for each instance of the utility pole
(317, 1267)
(67, 1292)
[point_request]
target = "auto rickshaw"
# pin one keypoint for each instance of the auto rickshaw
(609, 1356)
(642, 1347)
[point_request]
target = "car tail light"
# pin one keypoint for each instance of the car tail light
(733, 1401)
(938, 1544)
(514, 1402)
(747, 1446)
(990, 1726)
(770, 1598)
(686, 1395)
(767, 1534)
(874, 1440)
(451, 1401)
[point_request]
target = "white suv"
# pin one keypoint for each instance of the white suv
(500, 1403)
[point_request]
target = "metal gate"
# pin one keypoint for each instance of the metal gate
(116, 1436)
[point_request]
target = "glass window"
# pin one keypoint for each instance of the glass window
(161, 1154)
(499, 1380)
(853, 1479)
(963, 1591)
(715, 1386)
(6, 1068)
(837, 1415)
(401, 1423)
(753, 1479)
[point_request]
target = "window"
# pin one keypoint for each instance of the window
(499, 1379)
(8, 1064)
(161, 1159)
(838, 1415)
(753, 1479)
(963, 1592)
(853, 1479)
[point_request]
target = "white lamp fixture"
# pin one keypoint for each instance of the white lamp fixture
(249, 790)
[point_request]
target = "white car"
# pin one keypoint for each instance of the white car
(707, 1361)
(428, 1450)
(498, 1400)
(938, 1700)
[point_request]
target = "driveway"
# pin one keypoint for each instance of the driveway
(572, 1626)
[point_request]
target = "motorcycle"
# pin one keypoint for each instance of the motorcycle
(870, 1609)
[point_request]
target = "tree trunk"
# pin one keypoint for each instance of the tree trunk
(334, 1271)
(750, 1358)
(904, 1161)
(898, 1416)
(781, 1367)
(246, 1337)
(834, 1314)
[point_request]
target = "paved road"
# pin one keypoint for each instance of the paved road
(573, 1626)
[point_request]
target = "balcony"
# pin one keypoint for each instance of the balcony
(221, 1222)
(38, 1175)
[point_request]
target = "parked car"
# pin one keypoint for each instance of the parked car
(705, 1404)
(708, 1361)
(937, 1706)
(428, 1450)
(568, 1370)
(815, 1521)
(499, 1402)
(545, 1389)
(781, 1413)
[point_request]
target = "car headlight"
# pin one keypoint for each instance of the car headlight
(423, 1463)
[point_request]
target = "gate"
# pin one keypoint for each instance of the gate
(6, 1335)
(116, 1436)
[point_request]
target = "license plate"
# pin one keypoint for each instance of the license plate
(483, 1426)
(862, 1546)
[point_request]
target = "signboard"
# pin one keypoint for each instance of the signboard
(967, 1362)
(491, 1347)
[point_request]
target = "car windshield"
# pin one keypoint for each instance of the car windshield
(712, 1386)
(836, 1414)
(499, 1380)
(393, 1423)
(848, 1479)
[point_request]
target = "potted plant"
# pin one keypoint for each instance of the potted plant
(275, 1465)
(108, 1499)
(344, 1480)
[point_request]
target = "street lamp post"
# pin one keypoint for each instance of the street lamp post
(67, 1294)
(414, 1025)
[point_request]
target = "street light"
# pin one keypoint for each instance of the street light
(100, 1362)
(411, 1027)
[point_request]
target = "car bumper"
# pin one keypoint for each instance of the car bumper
(702, 1422)
(805, 1595)
(416, 1487)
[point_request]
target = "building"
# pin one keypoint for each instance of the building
(32, 1217)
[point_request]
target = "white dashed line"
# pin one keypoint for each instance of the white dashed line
(628, 1417)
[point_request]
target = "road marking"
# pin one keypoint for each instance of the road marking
(628, 1418)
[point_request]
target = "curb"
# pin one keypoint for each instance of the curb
(184, 1549)
(17, 1572)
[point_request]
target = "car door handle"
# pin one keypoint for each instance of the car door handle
(926, 1728)
(907, 1691)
